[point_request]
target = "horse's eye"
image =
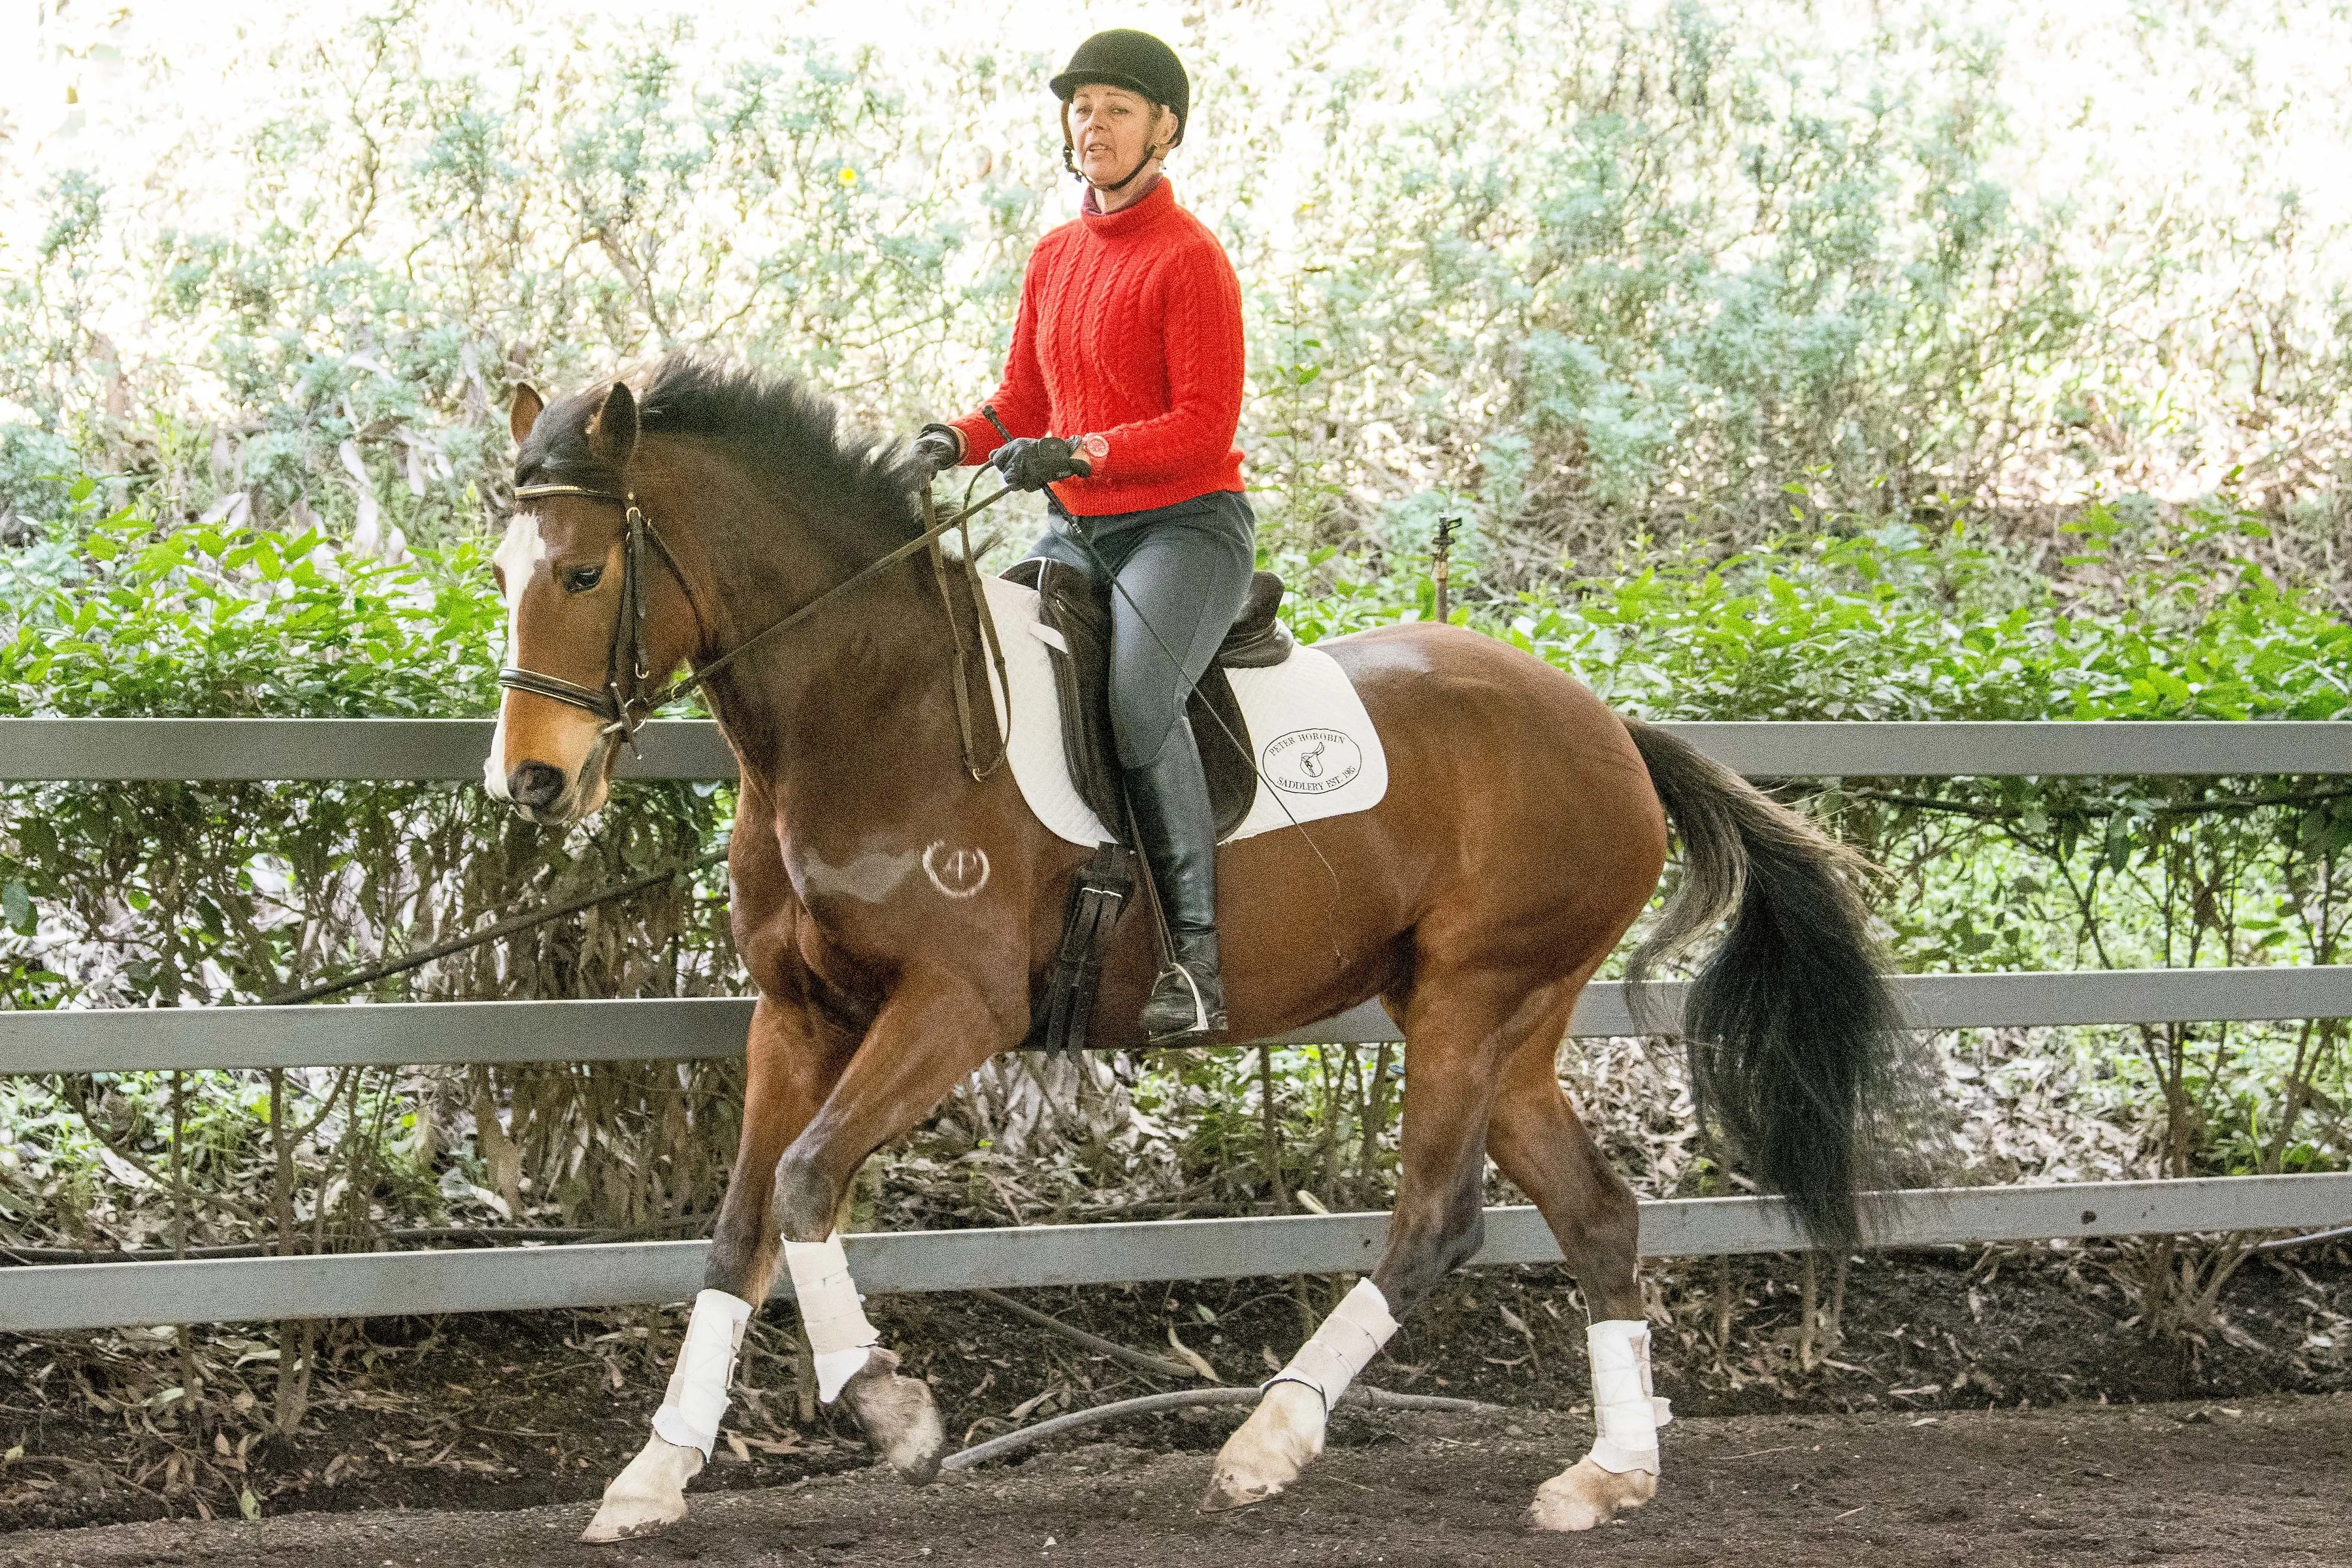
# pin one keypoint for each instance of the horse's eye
(580, 579)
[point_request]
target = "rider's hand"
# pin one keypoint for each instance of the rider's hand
(939, 447)
(1032, 462)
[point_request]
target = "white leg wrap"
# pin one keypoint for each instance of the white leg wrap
(1346, 1343)
(690, 1412)
(1627, 1414)
(832, 1310)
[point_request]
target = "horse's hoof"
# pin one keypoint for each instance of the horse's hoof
(1266, 1452)
(898, 1417)
(1585, 1495)
(648, 1496)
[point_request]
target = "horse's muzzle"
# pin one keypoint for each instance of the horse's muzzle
(535, 785)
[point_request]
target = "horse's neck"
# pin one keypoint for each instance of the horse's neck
(861, 683)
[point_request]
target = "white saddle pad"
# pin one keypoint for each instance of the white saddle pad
(1317, 752)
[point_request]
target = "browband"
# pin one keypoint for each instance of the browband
(532, 492)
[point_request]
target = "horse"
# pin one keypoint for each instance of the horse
(896, 907)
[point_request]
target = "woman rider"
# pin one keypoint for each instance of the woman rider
(1121, 396)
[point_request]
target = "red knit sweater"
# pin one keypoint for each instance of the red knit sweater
(1130, 328)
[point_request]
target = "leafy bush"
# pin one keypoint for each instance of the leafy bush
(225, 619)
(1593, 274)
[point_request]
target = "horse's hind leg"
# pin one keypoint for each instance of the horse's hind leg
(1536, 1137)
(1461, 1023)
(789, 1075)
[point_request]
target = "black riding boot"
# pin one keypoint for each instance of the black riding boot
(1179, 839)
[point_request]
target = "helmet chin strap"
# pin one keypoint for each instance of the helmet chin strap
(1149, 153)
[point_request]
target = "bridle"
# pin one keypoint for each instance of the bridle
(625, 707)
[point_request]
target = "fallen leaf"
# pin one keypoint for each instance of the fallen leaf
(1021, 1411)
(1192, 1358)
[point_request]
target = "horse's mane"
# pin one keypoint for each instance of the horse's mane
(781, 429)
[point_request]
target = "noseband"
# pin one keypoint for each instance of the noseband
(623, 708)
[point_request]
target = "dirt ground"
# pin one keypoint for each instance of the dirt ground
(521, 1411)
(2267, 1482)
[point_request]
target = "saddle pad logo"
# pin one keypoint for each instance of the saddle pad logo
(1311, 762)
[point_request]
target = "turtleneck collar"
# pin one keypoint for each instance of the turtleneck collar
(1137, 215)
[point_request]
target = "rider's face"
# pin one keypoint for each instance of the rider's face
(1111, 128)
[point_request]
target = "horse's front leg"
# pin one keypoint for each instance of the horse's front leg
(932, 1033)
(793, 1066)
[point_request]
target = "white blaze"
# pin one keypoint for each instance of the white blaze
(518, 556)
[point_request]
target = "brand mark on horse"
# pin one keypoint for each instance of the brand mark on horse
(958, 873)
(1311, 762)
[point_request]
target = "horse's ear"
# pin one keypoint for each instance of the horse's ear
(613, 433)
(528, 406)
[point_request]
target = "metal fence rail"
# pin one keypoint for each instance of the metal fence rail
(386, 1034)
(453, 749)
(58, 1297)
(82, 1296)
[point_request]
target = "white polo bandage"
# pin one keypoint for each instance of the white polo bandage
(697, 1399)
(1346, 1343)
(1626, 1413)
(832, 1311)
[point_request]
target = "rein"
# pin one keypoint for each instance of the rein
(625, 709)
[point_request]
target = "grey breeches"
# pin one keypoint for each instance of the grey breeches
(1185, 572)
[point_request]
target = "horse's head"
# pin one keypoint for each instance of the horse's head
(593, 624)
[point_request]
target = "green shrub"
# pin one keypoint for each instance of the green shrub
(1593, 273)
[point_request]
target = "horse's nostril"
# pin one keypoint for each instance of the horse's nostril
(534, 784)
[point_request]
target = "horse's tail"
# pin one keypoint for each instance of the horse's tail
(1796, 1041)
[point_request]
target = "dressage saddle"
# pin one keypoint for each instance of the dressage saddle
(1078, 609)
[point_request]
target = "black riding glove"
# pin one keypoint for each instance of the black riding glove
(1032, 462)
(939, 447)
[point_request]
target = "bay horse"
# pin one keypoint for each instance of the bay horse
(667, 518)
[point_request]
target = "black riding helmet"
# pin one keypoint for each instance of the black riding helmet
(1138, 62)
